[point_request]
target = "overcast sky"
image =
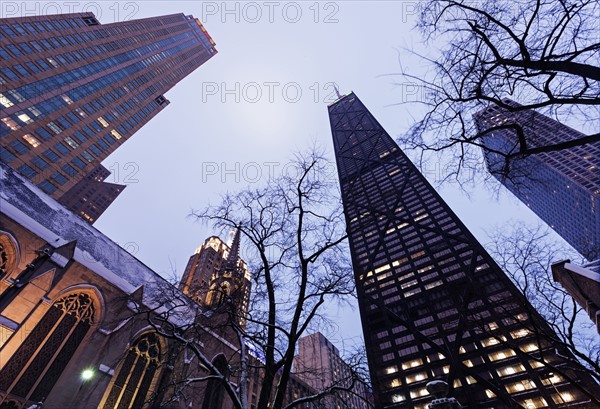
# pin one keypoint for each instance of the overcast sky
(243, 113)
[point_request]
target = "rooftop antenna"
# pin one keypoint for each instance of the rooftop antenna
(337, 91)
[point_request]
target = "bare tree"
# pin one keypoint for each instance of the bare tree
(543, 54)
(526, 254)
(295, 244)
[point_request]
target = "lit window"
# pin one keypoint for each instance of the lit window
(529, 347)
(26, 119)
(395, 383)
(489, 393)
(81, 112)
(40, 361)
(67, 99)
(32, 140)
(535, 364)
(520, 333)
(11, 124)
(419, 392)
(16, 95)
(416, 377)
(5, 101)
(52, 61)
(433, 285)
(412, 292)
(71, 142)
(103, 121)
(391, 369)
(141, 361)
(535, 403)
(489, 342)
(511, 370)
(35, 111)
(54, 127)
(382, 268)
(502, 355)
(412, 364)
(552, 379)
(115, 134)
(421, 217)
(563, 397)
(397, 398)
(492, 326)
(520, 386)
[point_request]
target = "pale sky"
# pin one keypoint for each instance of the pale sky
(264, 95)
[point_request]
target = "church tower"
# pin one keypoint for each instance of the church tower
(216, 275)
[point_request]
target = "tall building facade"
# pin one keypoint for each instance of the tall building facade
(433, 303)
(92, 195)
(320, 365)
(73, 90)
(216, 272)
(562, 187)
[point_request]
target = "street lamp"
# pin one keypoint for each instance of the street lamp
(87, 374)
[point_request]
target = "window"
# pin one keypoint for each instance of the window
(44, 133)
(79, 163)
(69, 170)
(31, 140)
(133, 383)
(213, 396)
(51, 155)
(26, 171)
(42, 357)
(39, 163)
(9, 254)
(47, 187)
(59, 178)
(61, 148)
(19, 146)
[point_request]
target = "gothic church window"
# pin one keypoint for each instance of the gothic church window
(36, 365)
(133, 384)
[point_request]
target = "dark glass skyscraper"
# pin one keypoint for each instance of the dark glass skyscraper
(562, 187)
(433, 303)
(73, 90)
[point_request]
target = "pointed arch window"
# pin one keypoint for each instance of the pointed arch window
(9, 254)
(215, 390)
(36, 365)
(133, 384)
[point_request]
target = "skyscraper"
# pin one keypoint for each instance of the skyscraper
(73, 90)
(561, 187)
(92, 195)
(215, 272)
(320, 365)
(433, 303)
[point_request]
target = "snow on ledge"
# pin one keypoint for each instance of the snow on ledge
(33, 209)
(584, 272)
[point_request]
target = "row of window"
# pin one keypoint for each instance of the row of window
(38, 27)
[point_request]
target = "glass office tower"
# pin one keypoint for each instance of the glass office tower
(561, 187)
(73, 90)
(433, 303)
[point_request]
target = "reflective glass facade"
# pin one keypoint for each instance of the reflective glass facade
(73, 90)
(433, 303)
(562, 187)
